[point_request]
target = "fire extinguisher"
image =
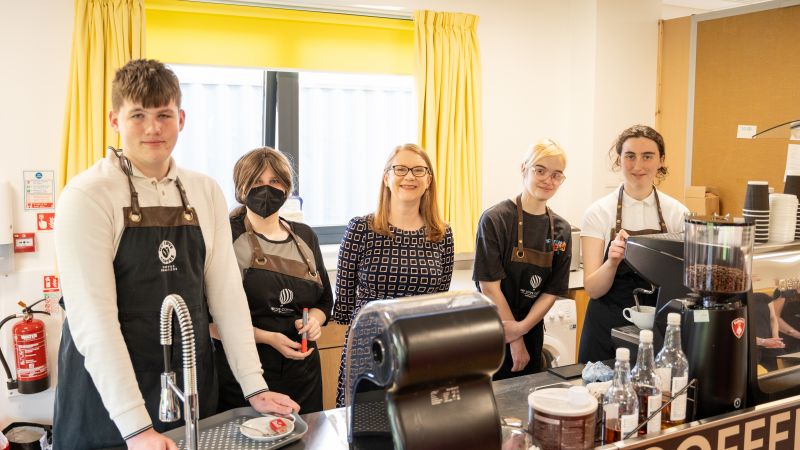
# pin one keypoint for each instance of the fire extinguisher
(30, 349)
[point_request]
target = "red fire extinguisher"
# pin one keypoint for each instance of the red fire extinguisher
(30, 349)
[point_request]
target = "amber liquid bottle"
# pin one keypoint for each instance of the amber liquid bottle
(620, 406)
(647, 384)
(672, 368)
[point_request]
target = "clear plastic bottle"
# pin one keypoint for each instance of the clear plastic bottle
(647, 384)
(672, 368)
(620, 405)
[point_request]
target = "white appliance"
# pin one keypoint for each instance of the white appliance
(560, 334)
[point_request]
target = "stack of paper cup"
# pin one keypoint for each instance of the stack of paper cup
(792, 187)
(782, 218)
(756, 208)
(793, 160)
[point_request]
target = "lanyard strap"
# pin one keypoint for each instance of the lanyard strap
(135, 214)
(258, 252)
(520, 248)
(618, 225)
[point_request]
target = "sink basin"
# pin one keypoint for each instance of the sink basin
(221, 432)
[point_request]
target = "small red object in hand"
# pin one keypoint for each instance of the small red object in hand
(278, 426)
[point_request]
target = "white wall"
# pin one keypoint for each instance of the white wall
(35, 50)
(625, 77)
(577, 71)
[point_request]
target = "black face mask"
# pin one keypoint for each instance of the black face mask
(265, 200)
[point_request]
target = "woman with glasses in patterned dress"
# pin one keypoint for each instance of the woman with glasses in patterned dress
(402, 249)
(522, 258)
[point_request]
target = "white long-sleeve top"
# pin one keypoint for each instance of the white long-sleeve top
(88, 231)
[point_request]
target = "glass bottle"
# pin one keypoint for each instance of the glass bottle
(672, 368)
(647, 384)
(620, 404)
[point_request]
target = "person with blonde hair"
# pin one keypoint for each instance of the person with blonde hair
(635, 209)
(283, 273)
(522, 258)
(402, 249)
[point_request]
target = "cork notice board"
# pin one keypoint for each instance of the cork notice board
(747, 73)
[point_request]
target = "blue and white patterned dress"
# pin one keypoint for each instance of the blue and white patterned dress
(375, 267)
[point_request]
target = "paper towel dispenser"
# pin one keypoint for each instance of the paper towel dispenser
(418, 374)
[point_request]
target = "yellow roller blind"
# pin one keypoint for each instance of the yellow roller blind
(185, 32)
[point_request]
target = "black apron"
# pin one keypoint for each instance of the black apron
(161, 252)
(605, 313)
(277, 291)
(527, 273)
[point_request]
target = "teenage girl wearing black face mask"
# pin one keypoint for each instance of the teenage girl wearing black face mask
(282, 272)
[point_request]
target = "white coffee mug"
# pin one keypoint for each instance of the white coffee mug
(643, 318)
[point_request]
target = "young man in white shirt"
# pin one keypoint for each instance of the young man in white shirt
(132, 229)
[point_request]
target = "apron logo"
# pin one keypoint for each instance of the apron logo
(166, 252)
(536, 280)
(738, 327)
(286, 296)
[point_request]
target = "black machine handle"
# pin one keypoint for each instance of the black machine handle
(11, 383)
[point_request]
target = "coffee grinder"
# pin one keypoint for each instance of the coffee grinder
(717, 267)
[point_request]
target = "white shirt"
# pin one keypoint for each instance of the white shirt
(87, 235)
(601, 216)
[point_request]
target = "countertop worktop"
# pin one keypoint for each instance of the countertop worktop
(328, 429)
(462, 280)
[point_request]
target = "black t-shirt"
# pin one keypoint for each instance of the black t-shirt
(760, 319)
(497, 237)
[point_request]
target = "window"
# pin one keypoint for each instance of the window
(337, 129)
(348, 125)
(224, 118)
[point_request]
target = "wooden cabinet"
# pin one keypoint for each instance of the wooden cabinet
(330, 354)
(581, 304)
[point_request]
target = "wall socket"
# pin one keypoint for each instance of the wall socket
(745, 131)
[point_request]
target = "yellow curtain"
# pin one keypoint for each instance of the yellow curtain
(106, 35)
(448, 75)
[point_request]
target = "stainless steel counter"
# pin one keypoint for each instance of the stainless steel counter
(328, 429)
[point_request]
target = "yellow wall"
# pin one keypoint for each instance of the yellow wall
(230, 35)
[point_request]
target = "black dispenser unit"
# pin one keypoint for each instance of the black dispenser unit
(419, 374)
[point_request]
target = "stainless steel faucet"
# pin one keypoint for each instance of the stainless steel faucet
(168, 406)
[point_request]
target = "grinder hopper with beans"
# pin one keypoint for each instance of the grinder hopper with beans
(711, 264)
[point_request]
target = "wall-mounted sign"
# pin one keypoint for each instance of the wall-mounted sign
(40, 189)
(45, 221)
(24, 242)
(50, 283)
(51, 292)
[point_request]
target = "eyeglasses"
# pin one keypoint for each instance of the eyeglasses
(418, 171)
(542, 173)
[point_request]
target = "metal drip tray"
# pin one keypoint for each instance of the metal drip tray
(629, 333)
(221, 432)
